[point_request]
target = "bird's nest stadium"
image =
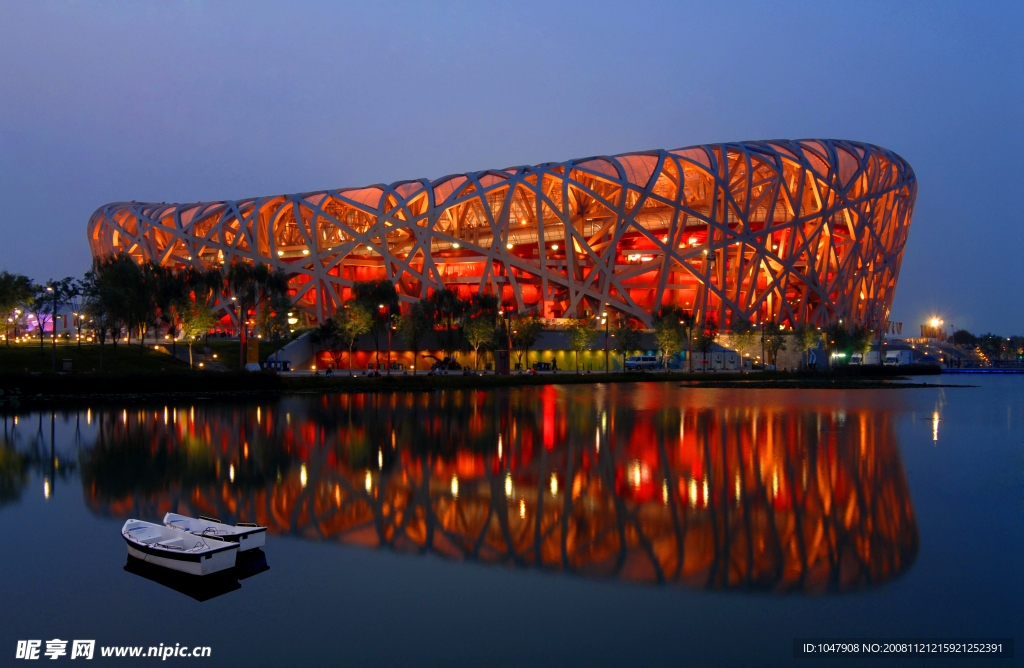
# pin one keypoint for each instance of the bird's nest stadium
(794, 232)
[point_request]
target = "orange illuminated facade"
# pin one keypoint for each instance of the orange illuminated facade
(796, 232)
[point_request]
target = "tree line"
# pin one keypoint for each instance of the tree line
(119, 299)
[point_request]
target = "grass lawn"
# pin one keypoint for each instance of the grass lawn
(28, 357)
(227, 351)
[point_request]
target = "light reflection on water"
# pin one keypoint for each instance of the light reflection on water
(619, 484)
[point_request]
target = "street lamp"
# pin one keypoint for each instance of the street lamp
(388, 309)
(53, 323)
(604, 321)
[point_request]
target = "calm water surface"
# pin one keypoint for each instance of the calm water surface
(605, 525)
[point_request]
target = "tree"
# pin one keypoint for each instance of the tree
(330, 337)
(479, 331)
(380, 299)
(252, 286)
(836, 339)
(860, 339)
(196, 320)
(627, 338)
(117, 280)
(963, 338)
(742, 333)
(77, 301)
(525, 332)
(669, 330)
(581, 336)
(272, 318)
(170, 295)
(479, 324)
(38, 306)
(774, 341)
(807, 338)
(354, 321)
(416, 324)
(15, 292)
(704, 341)
(447, 311)
(94, 308)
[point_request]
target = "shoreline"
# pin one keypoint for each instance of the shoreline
(21, 390)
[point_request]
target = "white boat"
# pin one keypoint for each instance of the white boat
(247, 536)
(178, 550)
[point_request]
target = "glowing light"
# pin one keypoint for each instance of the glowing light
(508, 246)
(303, 478)
(705, 491)
(522, 509)
(46, 488)
(554, 484)
(380, 458)
(664, 492)
(259, 415)
(231, 473)
(337, 494)
(456, 245)
(508, 484)
(692, 493)
(935, 426)
(554, 246)
(499, 446)
(455, 486)
(369, 481)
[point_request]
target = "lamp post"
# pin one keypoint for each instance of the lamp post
(53, 327)
(387, 307)
(507, 324)
(604, 321)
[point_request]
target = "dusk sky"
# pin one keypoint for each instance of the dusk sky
(182, 101)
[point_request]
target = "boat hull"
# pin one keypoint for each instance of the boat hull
(193, 564)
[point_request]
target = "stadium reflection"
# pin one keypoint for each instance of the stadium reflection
(798, 497)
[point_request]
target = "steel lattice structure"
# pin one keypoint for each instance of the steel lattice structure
(796, 232)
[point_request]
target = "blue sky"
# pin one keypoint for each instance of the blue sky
(184, 100)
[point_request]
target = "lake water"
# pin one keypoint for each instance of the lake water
(633, 524)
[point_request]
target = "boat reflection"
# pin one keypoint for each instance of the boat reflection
(250, 563)
(781, 498)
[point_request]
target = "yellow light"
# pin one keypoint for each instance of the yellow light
(935, 322)
(455, 486)
(302, 475)
(508, 484)
(369, 481)
(215, 356)
(554, 484)
(280, 253)
(200, 364)
(522, 509)
(554, 246)
(508, 246)
(380, 458)
(46, 488)
(305, 252)
(231, 473)
(455, 245)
